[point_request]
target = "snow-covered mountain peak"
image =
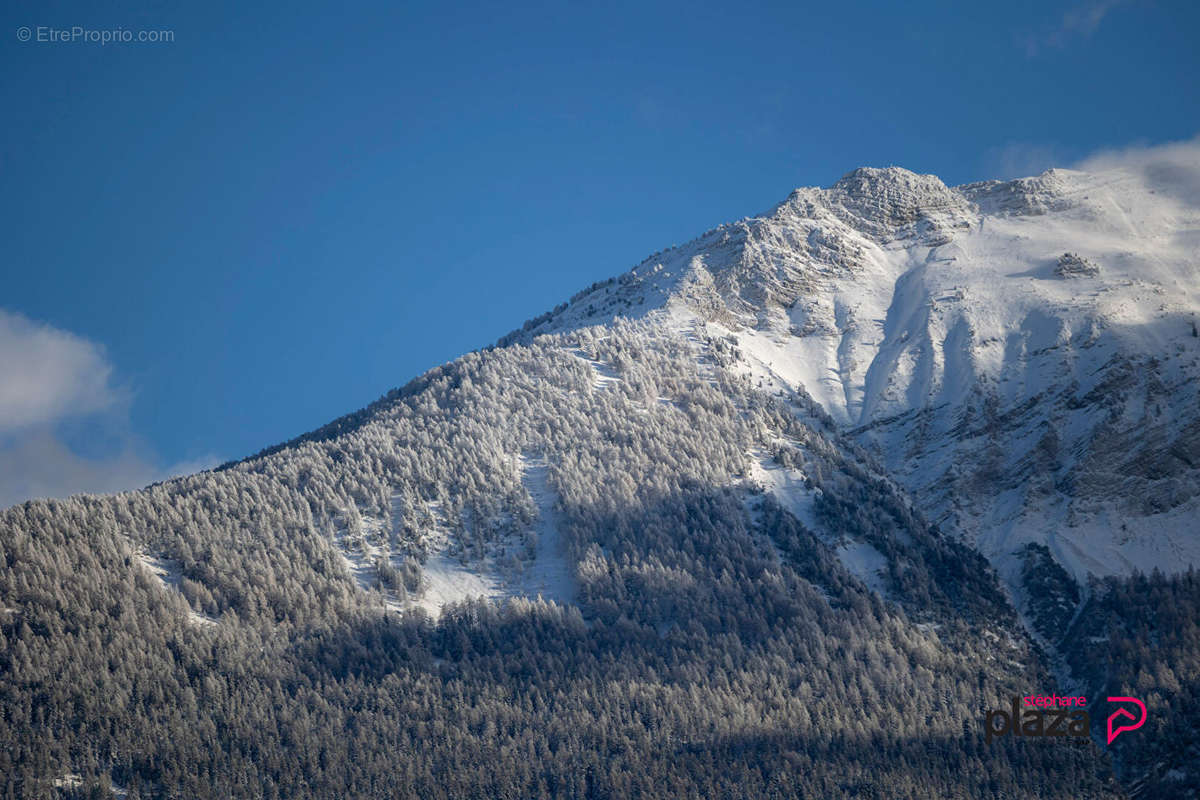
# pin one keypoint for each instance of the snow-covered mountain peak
(1020, 354)
(893, 196)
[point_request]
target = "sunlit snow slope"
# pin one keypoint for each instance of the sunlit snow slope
(1022, 356)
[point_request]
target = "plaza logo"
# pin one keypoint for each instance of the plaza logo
(1121, 712)
(1055, 716)
(1041, 716)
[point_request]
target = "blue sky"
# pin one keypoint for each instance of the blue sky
(218, 242)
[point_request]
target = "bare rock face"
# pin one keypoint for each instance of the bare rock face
(1073, 265)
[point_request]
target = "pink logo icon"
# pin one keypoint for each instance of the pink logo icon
(1116, 730)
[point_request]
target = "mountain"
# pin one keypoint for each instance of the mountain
(783, 511)
(1021, 356)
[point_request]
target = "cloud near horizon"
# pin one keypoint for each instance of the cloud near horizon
(1172, 163)
(1184, 152)
(49, 374)
(1079, 22)
(1172, 168)
(51, 377)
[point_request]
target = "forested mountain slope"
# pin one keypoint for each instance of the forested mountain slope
(713, 528)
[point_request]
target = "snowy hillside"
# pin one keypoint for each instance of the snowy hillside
(1022, 356)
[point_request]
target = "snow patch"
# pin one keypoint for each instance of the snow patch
(864, 562)
(787, 486)
(448, 576)
(550, 575)
(360, 559)
(69, 780)
(170, 574)
(603, 375)
(446, 580)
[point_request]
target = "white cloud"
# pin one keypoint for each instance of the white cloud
(48, 377)
(47, 374)
(1079, 22)
(1085, 19)
(1141, 156)
(1172, 168)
